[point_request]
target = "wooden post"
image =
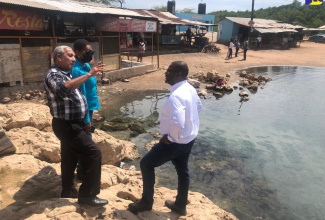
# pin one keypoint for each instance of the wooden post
(158, 45)
(23, 69)
(151, 47)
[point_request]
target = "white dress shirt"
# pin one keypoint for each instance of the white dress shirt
(179, 116)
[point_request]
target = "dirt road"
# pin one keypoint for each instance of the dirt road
(308, 54)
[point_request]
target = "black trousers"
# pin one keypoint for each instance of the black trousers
(237, 49)
(77, 144)
(245, 51)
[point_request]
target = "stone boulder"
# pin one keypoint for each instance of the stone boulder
(194, 83)
(32, 188)
(212, 75)
(113, 150)
(243, 73)
(42, 145)
(18, 115)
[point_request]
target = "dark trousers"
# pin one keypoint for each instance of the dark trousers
(245, 51)
(237, 49)
(161, 153)
(80, 167)
(229, 53)
(77, 144)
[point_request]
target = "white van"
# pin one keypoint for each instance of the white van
(199, 30)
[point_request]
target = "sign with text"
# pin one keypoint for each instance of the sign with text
(126, 25)
(313, 2)
(20, 20)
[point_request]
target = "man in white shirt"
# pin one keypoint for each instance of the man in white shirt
(179, 125)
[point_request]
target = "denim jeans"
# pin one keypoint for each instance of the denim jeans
(161, 153)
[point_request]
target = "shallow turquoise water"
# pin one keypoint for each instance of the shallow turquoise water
(266, 160)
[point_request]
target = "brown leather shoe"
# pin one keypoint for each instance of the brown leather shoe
(139, 206)
(171, 205)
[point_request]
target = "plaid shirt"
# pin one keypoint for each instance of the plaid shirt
(64, 103)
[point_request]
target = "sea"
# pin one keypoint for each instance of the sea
(260, 159)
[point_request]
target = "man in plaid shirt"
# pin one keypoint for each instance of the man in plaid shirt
(68, 108)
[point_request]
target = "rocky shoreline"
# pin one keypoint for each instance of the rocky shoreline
(30, 174)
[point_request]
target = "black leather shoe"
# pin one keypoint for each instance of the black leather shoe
(92, 201)
(69, 193)
(139, 206)
(171, 205)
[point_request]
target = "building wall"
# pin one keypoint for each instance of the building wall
(208, 19)
(226, 30)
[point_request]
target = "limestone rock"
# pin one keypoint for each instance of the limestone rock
(151, 144)
(42, 145)
(18, 115)
(113, 150)
(243, 94)
(194, 83)
(30, 187)
(212, 75)
(203, 93)
(243, 73)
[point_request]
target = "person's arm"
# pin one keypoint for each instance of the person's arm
(75, 83)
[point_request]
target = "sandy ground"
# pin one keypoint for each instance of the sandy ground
(308, 54)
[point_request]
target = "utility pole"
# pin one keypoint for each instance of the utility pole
(251, 23)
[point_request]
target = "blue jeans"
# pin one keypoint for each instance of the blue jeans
(161, 153)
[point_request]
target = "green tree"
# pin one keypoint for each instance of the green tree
(108, 2)
(295, 13)
(187, 10)
(160, 7)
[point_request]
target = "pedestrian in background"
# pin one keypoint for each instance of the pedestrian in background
(245, 47)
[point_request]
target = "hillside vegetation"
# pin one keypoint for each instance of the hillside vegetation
(294, 13)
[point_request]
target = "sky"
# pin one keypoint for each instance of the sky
(211, 5)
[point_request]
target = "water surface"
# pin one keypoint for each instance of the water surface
(262, 159)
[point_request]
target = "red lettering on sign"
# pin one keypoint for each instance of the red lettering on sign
(20, 20)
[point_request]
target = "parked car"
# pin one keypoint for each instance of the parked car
(314, 37)
(199, 30)
(320, 39)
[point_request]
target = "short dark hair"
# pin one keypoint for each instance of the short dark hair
(179, 66)
(80, 44)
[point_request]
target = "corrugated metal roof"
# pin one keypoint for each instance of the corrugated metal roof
(274, 30)
(73, 7)
(166, 17)
(163, 17)
(265, 25)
